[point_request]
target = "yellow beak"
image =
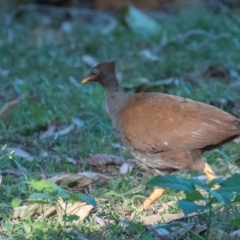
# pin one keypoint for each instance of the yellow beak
(86, 79)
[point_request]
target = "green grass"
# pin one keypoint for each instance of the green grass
(41, 60)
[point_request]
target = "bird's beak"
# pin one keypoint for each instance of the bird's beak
(86, 79)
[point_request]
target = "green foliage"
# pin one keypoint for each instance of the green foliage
(196, 201)
(46, 65)
(52, 191)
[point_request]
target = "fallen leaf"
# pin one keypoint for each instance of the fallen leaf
(174, 230)
(64, 131)
(237, 140)
(103, 159)
(148, 55)
(89, 60)
(97, 177)
(100, 221)
(166, 218)
(79, 180)
(71, 179)
(105, 163)
(78, 122)
(234, 235)
(55, 131)
(14, 171)
(20, 153)
(127, 167)
(27, 211)
(80, 209)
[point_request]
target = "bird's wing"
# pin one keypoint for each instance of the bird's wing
(157, 122)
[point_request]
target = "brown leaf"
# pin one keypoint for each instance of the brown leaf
(166, 218)
(71, 179)
(79, 180)
(27, 211)
(105, 163)
(81, 209)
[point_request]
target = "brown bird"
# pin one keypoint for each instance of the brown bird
(165, 133)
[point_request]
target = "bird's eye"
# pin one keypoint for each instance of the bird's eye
(94, 72)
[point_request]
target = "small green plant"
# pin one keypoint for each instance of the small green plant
(44, 192)
(200, 196)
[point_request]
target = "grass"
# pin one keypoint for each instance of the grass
(42, 60)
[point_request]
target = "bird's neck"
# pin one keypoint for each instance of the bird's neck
(115, 99)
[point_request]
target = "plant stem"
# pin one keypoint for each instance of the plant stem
(209, 216)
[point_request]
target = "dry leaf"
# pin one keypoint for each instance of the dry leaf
(81, 209)
(235, 235)
(127, 167)
(105, 163)
(237, 140)
(173, 230)
(103, 159)
(50, 131)
(166, 218)
(21, 153)
(14, 171)
(27, 211)
(97, 177)
(100, 221)
(71, 179)
(89, 60)
(79, 180)
(64, 131)
(149, 55)
(55, 131)
(78, 122)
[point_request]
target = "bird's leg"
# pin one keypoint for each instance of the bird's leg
(157, 193)
(209, 172)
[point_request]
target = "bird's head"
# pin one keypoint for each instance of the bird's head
(102, 73)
